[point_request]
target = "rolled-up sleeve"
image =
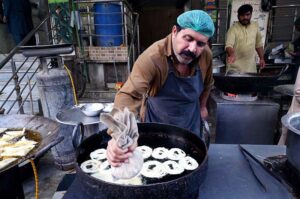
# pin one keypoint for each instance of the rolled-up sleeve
(206, 69)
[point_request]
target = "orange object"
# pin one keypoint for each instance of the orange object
(118, 85)
(231, 94)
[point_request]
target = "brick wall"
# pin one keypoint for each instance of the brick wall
(106, 54)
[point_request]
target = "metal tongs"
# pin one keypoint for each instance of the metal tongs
(246, 155)
(249, 157)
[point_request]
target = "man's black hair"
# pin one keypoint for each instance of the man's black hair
(244, 9)
(178, 27)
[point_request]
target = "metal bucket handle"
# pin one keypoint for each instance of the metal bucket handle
(77, 136)
(205, 135)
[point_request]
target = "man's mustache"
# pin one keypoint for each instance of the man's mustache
(188, 54)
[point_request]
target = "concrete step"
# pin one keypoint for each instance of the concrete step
(11, 86)
(26, 107)
(5, 76)
(18, 59)
(24, 66)
(27, 104)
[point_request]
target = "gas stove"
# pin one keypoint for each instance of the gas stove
(243, 119)
(229, 175)
(250, 97)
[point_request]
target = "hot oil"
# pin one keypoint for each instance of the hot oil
(30, 135)
(33, 135)
(154, 139)
(166, 178)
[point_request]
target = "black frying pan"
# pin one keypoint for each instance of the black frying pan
(246, 82)
(153, 135)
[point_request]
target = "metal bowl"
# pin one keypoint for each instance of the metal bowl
(92, 109)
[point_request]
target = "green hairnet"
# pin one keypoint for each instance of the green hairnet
(198, 21)
(297, 22)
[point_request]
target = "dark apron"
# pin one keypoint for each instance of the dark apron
(177, 102)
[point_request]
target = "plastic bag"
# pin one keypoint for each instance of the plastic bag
(123, 128)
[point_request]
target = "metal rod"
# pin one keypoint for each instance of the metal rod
(96, 35)
(27, 96)
(138, 38)
(23, 89)
(131, 43)
(17, 85)
(295, 17)
(89, 27)
(287, 6)
(103, 1)
(124, 27)
(30, 95)
(12, 76)
(26, 72)
(116, 72)
(46, 30)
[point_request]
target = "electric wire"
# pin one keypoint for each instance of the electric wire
(36, 179)
(72, 83)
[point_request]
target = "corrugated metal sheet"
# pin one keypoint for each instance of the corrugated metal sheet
(282, 21)
(223, 18)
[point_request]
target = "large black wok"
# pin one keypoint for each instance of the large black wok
(153, 135)
(40, 128)
(292, 122)
(246, 82)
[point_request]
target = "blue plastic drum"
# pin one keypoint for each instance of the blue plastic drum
(108, 24)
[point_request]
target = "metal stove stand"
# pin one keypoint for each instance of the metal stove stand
(229, 176)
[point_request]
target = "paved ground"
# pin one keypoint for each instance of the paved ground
(49, 178)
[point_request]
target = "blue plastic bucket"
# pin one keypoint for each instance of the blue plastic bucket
(108, 24)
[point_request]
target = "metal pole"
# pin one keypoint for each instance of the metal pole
(46, 30)
(124, 21)
(30, 95)
(295, 17)
(89, 25)
(132, 42)
(138, 38)
(271, 18)
(287, 6)
(17, 86)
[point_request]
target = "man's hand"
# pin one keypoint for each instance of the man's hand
(262, 63)
(115, 155)
(292, 53)
(231, 59)
(204, 113)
